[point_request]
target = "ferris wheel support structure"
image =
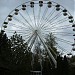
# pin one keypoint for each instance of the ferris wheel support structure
(50, 55)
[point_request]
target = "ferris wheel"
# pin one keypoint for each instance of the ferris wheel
(34, 20)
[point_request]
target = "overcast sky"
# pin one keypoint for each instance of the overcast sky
(6, 6)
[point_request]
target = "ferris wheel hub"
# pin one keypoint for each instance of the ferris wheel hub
(35, 32)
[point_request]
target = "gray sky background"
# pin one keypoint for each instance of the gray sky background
(6, 6)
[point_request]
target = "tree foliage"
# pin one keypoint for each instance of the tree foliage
(51, 43)
(16, 56)
(15, 53)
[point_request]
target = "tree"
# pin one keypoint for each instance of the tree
(16, 54)
(72, 59)
(59, 65)
(21, 53)
(51, 43)
(2, 39)
(65, 66)
(48, 65)
(4, 46)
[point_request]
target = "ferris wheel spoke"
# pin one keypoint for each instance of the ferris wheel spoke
(56, 23)
(26, 36)
(66, 33)
(48, 17)
(10, 31)
(17, 26)
(61, 27)
(61, 21)
(53, 19)
(17, 32)
(19, 21)
(64, 41)
(29, 17)
(34, 17)
(56, 28)
(67, 28)
(62, 49)
(26, 32)
(51, 56)
(63, 34)
(30, 38)
(23, 31)
(39, 12)
(33, 41)
(43, 16)
(26, 20)
(20, 32)
(52, 51)
(57, 16)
